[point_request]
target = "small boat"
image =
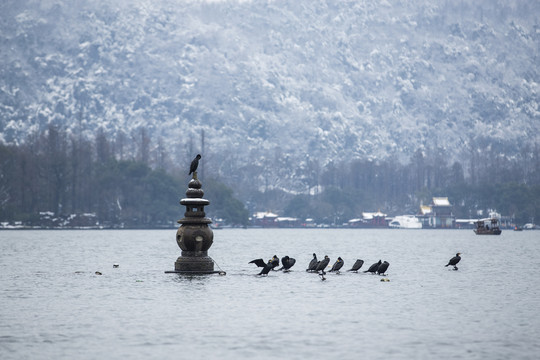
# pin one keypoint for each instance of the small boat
(405, 222)
(216, 226)
(487, 227)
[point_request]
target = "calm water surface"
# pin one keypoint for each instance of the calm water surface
(53, 306)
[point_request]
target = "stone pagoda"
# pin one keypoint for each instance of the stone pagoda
(194, 237)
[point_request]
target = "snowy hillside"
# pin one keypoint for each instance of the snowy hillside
(276, 83)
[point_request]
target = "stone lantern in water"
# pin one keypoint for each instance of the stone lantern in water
(194, 236)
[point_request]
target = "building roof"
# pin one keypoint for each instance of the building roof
(371, 215)
(284, 218)
(263, 215)
(425, 209)
(441, 201)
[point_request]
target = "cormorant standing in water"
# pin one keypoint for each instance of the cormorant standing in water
(194, 164)
(287, 263)
(266, 267)
(382, 268)
(275, 261)
(357, 265)
(453, 261)
(322, 265)
(337, 265)
(265, 270)
(313, 263)
(373, 268)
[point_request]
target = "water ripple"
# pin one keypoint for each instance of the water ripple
(59, 308)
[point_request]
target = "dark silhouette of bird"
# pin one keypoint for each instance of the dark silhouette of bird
(313, 263)
(373, 268)
(323, 264)
(265, 270)
(453, 261)
(258, 262)
(275, 261)
(287, 263)
(266, 267)
(382, 268)
(337, 265)
(357, 265)
(194, 164)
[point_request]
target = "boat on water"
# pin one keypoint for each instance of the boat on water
(488, 226)
(405, 222)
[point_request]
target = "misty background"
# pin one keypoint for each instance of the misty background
(308, 108)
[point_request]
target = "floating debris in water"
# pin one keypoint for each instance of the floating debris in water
(385, 279)
(98, 273)
(139, 281)
(115, 265)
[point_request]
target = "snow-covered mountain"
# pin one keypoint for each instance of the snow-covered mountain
(276, 83)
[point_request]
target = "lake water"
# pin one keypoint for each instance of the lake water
(54, 306)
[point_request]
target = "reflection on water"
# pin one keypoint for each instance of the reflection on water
(55, 306)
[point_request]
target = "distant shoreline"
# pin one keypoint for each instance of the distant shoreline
(22, 228)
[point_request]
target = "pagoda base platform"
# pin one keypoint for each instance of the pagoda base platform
(196, 272)
(195, 263)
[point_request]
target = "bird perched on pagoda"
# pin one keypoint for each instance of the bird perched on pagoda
(194, 164)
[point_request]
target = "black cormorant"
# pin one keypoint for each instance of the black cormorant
(266, 267)
(337, 265)
(265, 270)
(373, 268)
(258, 262)
(275, 261)
(287, 263)
(453, 261)
(382, 268)
(313, 263)
(194, 164)
(323, 264)
(357, 265)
